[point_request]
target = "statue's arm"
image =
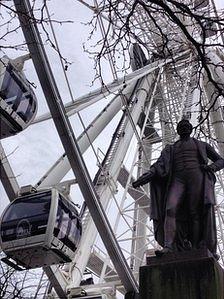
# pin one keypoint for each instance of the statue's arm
(153, 171)
(145, 178)
(218, 161)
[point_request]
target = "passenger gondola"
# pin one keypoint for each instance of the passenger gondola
(40, 229)
(18, 104)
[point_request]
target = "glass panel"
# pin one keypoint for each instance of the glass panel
(24, 107)
(75, 230)
(27, 216)
(64, 223)
(29, 206)
(10, 90)
(15, 93)
(67, 227)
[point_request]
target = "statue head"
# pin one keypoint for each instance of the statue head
(184, 128)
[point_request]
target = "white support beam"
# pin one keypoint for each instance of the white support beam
(61, 167)
(57, 279)
(7, 176)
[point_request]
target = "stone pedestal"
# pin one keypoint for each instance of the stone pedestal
(189, 275)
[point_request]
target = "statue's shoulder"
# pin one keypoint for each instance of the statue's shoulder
(199, 142)
(167, 149)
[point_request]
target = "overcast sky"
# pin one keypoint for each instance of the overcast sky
(32, 152)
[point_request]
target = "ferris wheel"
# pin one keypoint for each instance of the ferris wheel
(96, 251)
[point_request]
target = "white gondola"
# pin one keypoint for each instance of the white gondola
(18, 104)
(40, 229)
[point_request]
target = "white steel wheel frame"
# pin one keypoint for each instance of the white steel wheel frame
(164, 99)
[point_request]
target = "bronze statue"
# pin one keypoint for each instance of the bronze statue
(182, 193)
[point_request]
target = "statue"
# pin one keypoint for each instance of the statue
(182, 193)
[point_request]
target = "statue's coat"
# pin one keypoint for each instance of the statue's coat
(162, 170)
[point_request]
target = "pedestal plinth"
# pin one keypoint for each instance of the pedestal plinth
(189, 275)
